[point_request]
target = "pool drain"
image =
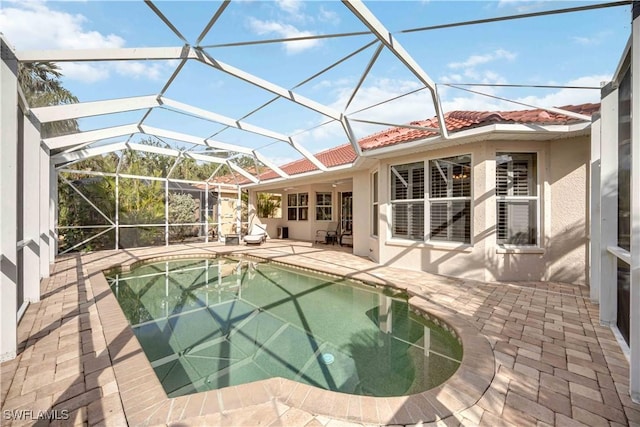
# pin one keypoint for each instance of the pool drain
(327, 358)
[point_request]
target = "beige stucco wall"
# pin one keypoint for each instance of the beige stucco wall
(563, 195)
(569, 228)
(563, 190)
(361, 214)
(302, 230)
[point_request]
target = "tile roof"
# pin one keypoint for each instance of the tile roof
(336, 156)
(462, 120)
(455, 121)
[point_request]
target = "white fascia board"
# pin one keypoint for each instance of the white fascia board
(178, 136)
(380, 31)
(242, 172)
(116, 54)
(87, 153)
(268, 163)
(223, 119)
(518, 128)
(307, 154)
(271, 87)
(78, 138)
(88, 109)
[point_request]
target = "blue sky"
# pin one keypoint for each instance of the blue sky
(581, 49)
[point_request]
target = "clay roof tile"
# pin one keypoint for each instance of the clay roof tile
(454, 120)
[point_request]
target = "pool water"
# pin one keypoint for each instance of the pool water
(208, 324)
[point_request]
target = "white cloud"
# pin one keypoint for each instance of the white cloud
(546, 99)
(84, 72)
(475, 60)
(412, 107)
(290, 6)
(330, 16)
(285, 31)
(570, 96)
(32, 25)
(137, 69)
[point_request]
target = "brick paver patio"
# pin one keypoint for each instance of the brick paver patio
(553, 364)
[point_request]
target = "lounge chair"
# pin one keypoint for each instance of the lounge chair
(257, 235)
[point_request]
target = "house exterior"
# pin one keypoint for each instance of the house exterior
(504, 198)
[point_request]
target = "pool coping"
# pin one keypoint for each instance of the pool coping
(146, 403)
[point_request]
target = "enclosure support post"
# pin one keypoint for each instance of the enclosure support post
(45, 239)
(117, 203)
(117, 215)
(218, 215)
(239, 213)
(594, 211)
(166, 212)
(634, 303)
(8, 213)
(31, 208)
(609, 202)
(53, 213)
(206, 212)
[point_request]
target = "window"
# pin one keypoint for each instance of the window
(297, 207)
(269, 205)
(323, 207)
(407, 201)
(517, 198)
(374, 197)
(450, 199)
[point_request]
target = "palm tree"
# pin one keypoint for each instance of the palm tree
(41, 85)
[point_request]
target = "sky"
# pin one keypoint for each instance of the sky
(574, 49)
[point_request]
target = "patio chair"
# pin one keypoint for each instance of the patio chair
(328, 235)
(346, 238)
(257, 235)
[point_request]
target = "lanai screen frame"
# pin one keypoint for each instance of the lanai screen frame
(44, 158)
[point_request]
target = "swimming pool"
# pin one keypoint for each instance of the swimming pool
(208, 324)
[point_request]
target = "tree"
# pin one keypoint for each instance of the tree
(41, 85)
(182, 210)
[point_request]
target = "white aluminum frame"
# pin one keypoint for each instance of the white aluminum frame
(56, 153)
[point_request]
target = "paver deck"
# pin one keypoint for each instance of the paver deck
(552, 363)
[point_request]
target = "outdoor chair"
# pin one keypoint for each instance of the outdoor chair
(328, 235)
(346, 238)
(257, 235)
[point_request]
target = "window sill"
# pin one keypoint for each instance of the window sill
(450, 246)
(520, 250)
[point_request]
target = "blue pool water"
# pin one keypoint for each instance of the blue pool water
(208, 324)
